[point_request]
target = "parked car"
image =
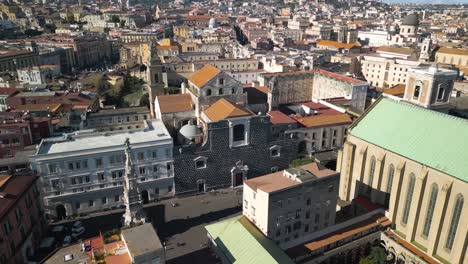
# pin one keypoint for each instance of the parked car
(78, 232)
(77, 225)
(66, 241)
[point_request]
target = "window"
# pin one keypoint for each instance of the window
(114, 175)
(55, 183)
(156, 191)
(7, 227)
(101, 176)
(333, 142)
(98, 163)
(142, 170)
(331, 188)
(275, 152)
(154, 154)
(169, 188)
(430, 209)
(239, 132)
(454, 222)
(334, 132)
(155, 168)
(200, 164)
(71, 166)
(409, 196)
(91, 203)
(391, 173)
(104, 200)
(141, 156)
(220, 91)
(246, 204)
(441, 92)
(77, 205)
(372, 171)
(116, 198)
(87, 179)
(307, 214)
(308, 201)
(317, 218)
(417, 90)
(274, 169)
(208, 92)
(52, 168)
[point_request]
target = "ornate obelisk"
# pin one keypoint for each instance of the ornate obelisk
(134, 212)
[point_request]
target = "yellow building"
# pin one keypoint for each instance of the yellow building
(409, 159)
(135, 53)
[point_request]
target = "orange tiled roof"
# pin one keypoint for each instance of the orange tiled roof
(223, 109)
(396, 90)
(324, 120)
(175, 103)
(340, 77)
(167, 47)
(350, 231)
(204, 75)
(337, 44)
(411, 248)
(119, 259)
(38, 107)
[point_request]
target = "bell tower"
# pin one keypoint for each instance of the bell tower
(155, 80)
(430, 87)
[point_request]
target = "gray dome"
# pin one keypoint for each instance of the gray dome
(411, 20)
(189, 131)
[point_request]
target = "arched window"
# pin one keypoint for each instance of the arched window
(441, 92)
(233, 91)
(208, 92)
(220, 91)
(238, 132)
(372, 171)
(391, 173)
(454, 222)
(417, 90)
(409, 196)
(430, 209)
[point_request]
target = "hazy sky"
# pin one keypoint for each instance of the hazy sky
(428, 1)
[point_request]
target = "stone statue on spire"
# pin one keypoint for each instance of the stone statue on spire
(134, 212)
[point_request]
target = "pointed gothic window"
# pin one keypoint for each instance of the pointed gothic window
(430, 209)
(454, 222)
(409, 196)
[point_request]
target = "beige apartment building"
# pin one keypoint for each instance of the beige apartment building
(385, 72)
(395, 156)
(289, 204)
(287, 87)
(455, 56)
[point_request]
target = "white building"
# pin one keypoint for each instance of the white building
(374, 38)
(83, 172)
(385, 72)
(290, 204)
(38, 74)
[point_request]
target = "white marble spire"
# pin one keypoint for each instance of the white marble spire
(134, 212)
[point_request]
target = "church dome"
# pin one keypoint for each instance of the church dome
(411, 20)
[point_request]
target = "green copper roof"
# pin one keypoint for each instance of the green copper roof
(431, 138)
(241, 242)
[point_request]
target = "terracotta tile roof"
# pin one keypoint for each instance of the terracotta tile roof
(223, 109)
(12, 189)
(410, 247)
(119, 259)
(405, 51)
(324, 120)
(38, 107)
(8, 91)
(350, 231)
(277, 117)
(395, 90)
(263, 89)
(340, 77)
(338, 45)
(271, 182)
(454, 51)
(267, 75)
(204, 75)
(175, 103)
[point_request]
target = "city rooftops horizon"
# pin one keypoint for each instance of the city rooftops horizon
(90, 139)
